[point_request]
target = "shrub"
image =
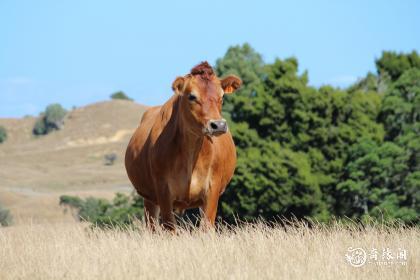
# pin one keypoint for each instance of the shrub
(39, 127)
(120, 95)
(5, 217)
(121, 211)
(3, 134)
(51, 119)
(110, 158)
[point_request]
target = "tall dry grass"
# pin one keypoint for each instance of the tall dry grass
(65, 251)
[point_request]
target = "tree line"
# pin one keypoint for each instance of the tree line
(324, 152)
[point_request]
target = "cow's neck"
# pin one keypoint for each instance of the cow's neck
(190, 141)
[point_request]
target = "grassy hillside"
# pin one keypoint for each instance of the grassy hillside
(34, 171)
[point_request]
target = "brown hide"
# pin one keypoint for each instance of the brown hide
(176, 159)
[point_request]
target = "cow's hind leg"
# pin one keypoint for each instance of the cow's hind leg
(151, 214)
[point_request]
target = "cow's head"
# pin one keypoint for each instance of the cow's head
(201, 96)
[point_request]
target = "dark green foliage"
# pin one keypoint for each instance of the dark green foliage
(72, 201)
(395, 64)
(376, 183)
(39, 127)
(3, 134)
(401, 105)
(371, 83)
(244, 62)
(121, 211)
(5, 217)
(255, 191)
(307, 152)
(120, 95)
(51, 119)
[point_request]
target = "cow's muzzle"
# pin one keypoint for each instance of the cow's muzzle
(216, 127)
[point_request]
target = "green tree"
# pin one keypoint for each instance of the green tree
(120, 95)
(3, 134)
(246, 63)
(401, 105)
(371, 83)
(381, 179)
(52, 119)
(395, 64)
(282, 120)
(375, 183)
(270, 180)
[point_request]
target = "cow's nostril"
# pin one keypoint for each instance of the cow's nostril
(213, 125)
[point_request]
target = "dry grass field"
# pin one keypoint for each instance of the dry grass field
(65, 251)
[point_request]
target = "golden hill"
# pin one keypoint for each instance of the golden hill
(35, 171)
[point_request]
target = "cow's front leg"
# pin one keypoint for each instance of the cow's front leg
(151, 213)
(209, 209)
(166, 211)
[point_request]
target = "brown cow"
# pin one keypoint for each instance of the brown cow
(182, 155)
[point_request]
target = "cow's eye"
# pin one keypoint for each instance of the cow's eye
(192, 97)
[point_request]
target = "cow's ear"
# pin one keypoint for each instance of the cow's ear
(230, 84)
(178, 85)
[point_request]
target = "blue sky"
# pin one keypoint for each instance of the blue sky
(79, 52)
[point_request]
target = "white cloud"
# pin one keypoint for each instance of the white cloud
(17, 81)
(343, 80)
(20, 80)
